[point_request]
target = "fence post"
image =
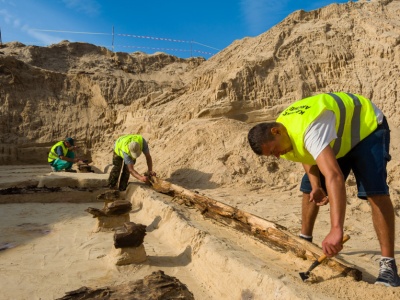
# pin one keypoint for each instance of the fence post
(112, 42)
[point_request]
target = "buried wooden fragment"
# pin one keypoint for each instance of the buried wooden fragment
(113, 214)
(108, 196)
(128, 243)
(274, 235)
(131, 235)
(157, 285)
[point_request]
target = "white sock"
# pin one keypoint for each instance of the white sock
(305, 236)
(385, 257)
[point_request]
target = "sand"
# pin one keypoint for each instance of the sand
(195, 115)
(52, 248)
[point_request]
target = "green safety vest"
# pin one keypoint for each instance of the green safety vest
(122, 144)
(53, 154)
(355, 120)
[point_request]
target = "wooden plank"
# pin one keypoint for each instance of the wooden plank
(274, 235)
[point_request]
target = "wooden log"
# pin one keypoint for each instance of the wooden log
(274, 235)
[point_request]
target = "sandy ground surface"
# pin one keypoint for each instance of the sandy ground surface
(195, 114)
(48, 249)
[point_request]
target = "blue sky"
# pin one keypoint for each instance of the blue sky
(181, 28)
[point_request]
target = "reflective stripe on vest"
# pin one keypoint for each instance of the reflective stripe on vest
(122, 144)
(355, 120)
(53, 154)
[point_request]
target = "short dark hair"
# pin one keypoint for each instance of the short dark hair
(259, 135)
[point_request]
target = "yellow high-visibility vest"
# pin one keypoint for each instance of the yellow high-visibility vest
(355, 120)
(53, 154)
(122, 144)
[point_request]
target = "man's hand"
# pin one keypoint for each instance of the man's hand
(333, 243)
(150, 173)
(144, 179)
(319, 197)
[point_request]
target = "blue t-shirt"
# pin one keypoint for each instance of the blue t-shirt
(59, 151)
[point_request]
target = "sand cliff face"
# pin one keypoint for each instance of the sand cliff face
(196, 113)
(74, 89)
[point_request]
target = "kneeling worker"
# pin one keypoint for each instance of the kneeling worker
(127, 149)
(62, 156)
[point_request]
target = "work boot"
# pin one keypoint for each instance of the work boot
(70, 170)
(388, 273)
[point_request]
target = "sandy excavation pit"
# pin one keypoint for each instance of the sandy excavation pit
(53, 247)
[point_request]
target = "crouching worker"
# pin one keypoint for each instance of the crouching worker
(62, 156)
(127, 149)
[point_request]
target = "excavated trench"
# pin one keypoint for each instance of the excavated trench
(51, 245)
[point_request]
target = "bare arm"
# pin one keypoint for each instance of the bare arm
(135, 174)
(73, 160)
(327, 164)
(317, 195)
(149, 162)
(69, 159)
